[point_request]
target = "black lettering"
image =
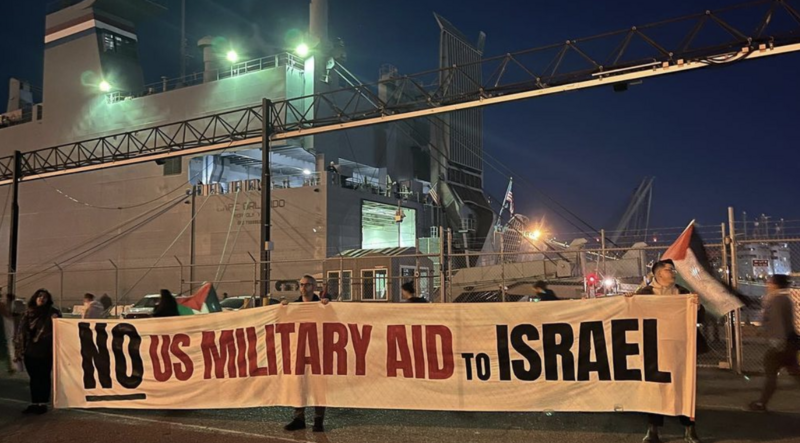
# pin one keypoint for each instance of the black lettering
(622, 349)
(651, 372)
(483, 367)
(119, 332)
(593, 335)
(563, 348)
(502, 353)
(95, 356)
(468, 364)
(519, 337)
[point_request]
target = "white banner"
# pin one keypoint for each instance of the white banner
(601, 355)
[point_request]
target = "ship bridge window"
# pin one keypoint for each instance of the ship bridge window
(380, 230)
(118, 44)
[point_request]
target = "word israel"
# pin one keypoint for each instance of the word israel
(633, 352)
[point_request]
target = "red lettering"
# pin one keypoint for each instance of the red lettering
(160, 373)
(212, 356)
(307, 342)
(419, 353)
(396, 341)
(185, 370)
(446, 337)
(286, 330)
(271, 357)
(331, 346)
(360, 346)
(241, 353)
(252, 354)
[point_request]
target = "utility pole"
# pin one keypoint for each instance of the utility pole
(192, 256)
(14, 229)
(266, 198)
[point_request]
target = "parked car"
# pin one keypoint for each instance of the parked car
(236, 303)
(143, 308)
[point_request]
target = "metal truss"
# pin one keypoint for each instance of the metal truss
(712, 38)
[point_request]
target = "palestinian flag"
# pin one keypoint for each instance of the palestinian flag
(201, 302)
(694, 269)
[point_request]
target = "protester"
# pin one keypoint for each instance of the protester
(92, 308)
(542, 292)
(407, 291)
(325, 293)
(779, 327)
(663, 283)
(167, 305)
(34, 344)
(307, 285)
(7, 331)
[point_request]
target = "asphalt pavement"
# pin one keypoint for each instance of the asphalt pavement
(721, 417)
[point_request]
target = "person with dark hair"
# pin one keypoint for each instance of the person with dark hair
(34, 345)
(778, 325)
(664, 283)
(307, 285)
(92, 308)
(7, 332)
(167, 305)
(408, 292)
(542, 292)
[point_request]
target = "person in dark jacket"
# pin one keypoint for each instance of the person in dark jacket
(307, 285)
(167, 305)
(779, 328)
(34, 345)
(664, 283)
(408, 293)
(542, 292)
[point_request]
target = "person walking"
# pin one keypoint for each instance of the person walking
(780, 329)
(34, 345)
(307, 285)
(167, 305)
(408, 293)
(92, 308)
(664, 283)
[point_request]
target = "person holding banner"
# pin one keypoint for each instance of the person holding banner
(34, 344)
(779, 327)
(307, 285)
(167, 305)
(664, 283)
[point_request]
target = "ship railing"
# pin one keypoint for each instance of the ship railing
(196, 78)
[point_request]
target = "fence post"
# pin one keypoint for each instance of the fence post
(180, 264)
(449, 264)
(603, 249)
(60, 287)
(441, 265)
(255, 276)
(503, 268)
(726, 269)
(737, 324)
(416, 267)
(116, 287)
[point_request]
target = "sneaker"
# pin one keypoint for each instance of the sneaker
(757, 406)
(691, 435)
(318, 427)
(651, 436)
(295, 425)
(40, 409)
(31, 409)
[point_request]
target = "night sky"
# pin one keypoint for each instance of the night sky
(712, 138)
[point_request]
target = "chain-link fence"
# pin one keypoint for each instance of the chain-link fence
(575, 270)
